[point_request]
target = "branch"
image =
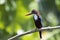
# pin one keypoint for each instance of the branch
(32, 31)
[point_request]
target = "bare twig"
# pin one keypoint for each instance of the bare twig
(32, 31)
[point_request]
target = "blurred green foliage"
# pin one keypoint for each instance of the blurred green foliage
(13, 20)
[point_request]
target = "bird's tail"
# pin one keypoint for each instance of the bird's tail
(40, 33)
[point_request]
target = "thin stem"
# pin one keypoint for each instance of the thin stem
(32, 31)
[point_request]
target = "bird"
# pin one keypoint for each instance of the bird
(37, 20)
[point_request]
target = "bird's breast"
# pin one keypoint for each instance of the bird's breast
(35, 17)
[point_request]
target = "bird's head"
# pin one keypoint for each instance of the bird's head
(33, 12)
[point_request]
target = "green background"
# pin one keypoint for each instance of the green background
(13, 20)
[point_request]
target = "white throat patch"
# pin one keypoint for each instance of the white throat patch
(35, 17)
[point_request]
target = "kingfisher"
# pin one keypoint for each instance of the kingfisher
(37, 20)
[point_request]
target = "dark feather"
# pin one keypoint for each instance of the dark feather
(38, 24)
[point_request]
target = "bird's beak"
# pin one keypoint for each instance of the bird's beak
(28, 14)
